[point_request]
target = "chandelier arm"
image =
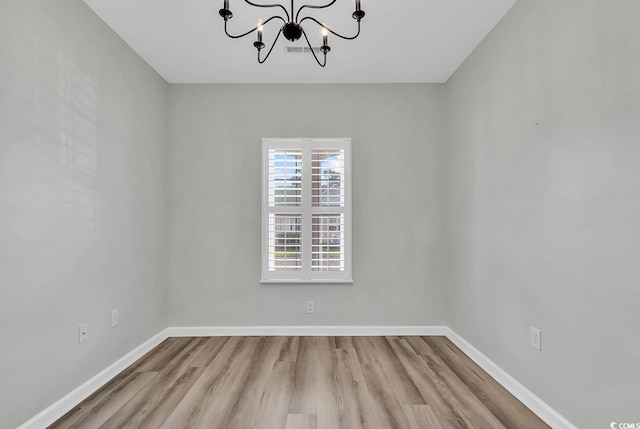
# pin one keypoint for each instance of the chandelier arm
(330, 30)
(313, 52)
(310, 6)
(253, 29)
(270, 49)
(271, 5)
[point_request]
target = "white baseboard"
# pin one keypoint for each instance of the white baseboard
(524, 395)
(308, 331)
(534, 403)
(66, 403)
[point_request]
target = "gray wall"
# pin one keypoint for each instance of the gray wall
(82, 201)
(215, 175)
(544, 203)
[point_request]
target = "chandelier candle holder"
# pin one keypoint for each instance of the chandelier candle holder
(292, 27)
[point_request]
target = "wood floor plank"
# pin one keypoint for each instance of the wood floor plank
(301, 421)
(444, 405)
(112, 403)
(223, 398)
(275, 393)
(191, 410)
(252, 402)
(158, 350)
(378, 384)
(304, 398)
(289, 352)
(402, 385)
(393, 382)
(157, 362)
(329, 407)
(207, 353)
(156, 408)
(359, 407)
(495, 397)
(469, 403)
(153, 403)
(93, 401)
(422, 417)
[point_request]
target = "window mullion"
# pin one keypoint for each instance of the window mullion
(306, 212)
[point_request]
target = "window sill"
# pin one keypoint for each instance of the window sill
(312, 281)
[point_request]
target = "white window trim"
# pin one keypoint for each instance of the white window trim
(307, 275)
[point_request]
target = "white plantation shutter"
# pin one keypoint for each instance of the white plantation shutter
(328, 202)
(306, 210)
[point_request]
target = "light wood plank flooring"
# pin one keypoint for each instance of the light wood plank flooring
(302, 383)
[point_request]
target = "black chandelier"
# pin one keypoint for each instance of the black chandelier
(292, 27)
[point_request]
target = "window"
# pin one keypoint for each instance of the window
(306, 210)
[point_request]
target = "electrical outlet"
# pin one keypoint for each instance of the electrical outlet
(536, 338)
(114, 317)
(83, 332)
(311, 307)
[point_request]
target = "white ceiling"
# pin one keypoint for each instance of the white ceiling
(401, 40)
